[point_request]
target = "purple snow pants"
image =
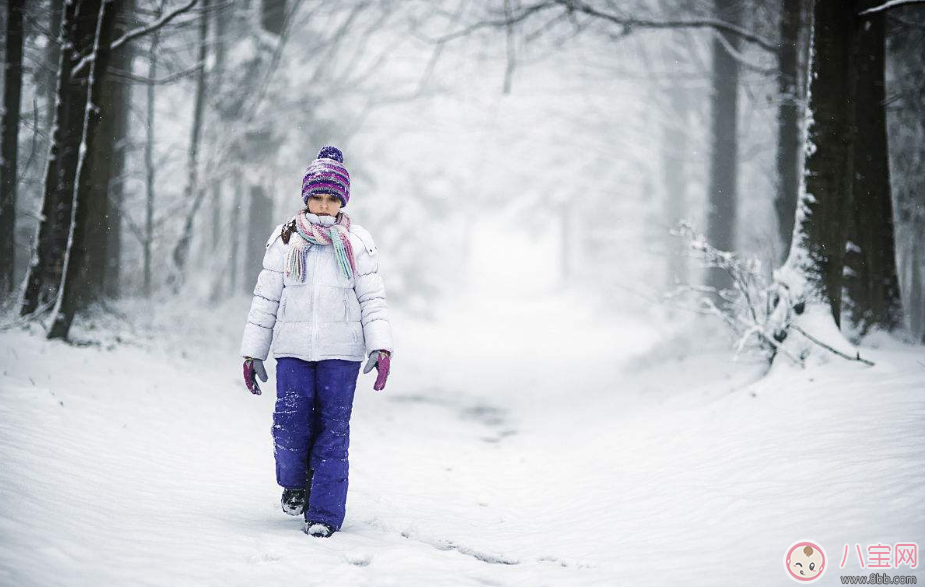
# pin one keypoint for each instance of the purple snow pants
(311, 432)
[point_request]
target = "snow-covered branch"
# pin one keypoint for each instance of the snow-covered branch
(891, 4)
(758, 311)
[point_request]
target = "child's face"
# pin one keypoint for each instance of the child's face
(324, 204)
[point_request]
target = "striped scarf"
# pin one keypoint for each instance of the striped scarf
(307, 233)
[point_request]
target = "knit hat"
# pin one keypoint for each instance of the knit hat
(327, 175)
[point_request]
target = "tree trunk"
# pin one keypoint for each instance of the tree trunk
(221, 28)
(788, 120)
(674, 156)
(234, 233)
(872, 285)
(52, 57)
(9, 143)
(44, 274)
(917, 311)
(149, 166)
(99, 274)
(906, 123)
(122, 60)
(69, 299)
(812, 275)
(193, 192)
(259, 224)
(722, 196)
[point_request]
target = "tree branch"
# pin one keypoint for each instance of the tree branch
(627, 23)
(890, 4)
(153, 82)
(502, 23)
(139, 32)
(700, 23)
(829, 348)
(511, 57)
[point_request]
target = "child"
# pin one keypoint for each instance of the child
(320, 288)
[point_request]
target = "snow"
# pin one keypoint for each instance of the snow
(521, 440)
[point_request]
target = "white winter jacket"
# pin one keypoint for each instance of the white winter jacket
(326, 317)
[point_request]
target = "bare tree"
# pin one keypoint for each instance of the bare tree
(260, 213)
(193, 193)
(789, 117)
(906, 119)
(9, 142)
(220, 29)
(722, 196)
(150, 171)
(675, 153)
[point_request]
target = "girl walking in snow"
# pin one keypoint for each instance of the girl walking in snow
(320, 303)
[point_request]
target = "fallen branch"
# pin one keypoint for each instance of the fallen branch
(829, 348)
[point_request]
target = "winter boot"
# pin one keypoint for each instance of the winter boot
(293, 501)
(318, 529)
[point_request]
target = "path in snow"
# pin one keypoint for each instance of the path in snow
(516, 445)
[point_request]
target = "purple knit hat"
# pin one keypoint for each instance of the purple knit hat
(327, 175)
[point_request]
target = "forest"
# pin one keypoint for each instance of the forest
(98, 205)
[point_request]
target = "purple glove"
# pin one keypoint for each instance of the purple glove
(381, 360)
(253, 368)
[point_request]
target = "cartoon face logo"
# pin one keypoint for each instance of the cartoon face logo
(805, 561)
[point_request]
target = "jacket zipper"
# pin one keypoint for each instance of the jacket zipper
(314, 334)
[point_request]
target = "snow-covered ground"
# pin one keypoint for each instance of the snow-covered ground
(520, 441)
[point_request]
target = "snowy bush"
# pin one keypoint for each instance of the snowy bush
(756, 309)
(760, 309)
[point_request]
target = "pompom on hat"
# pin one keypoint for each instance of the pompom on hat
(327, 175)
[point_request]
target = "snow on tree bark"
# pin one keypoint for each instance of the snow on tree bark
(48, 254)
(810, 281)
(69, 298)
(788, 119)
(49, 80)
